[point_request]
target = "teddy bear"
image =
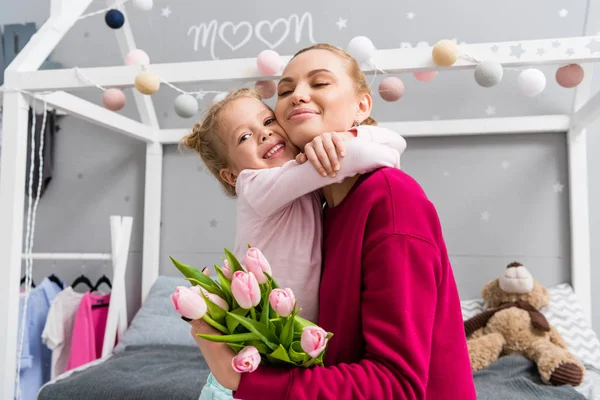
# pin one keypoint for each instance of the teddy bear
(513, 324)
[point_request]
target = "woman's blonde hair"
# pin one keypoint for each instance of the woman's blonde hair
(206, 139)
(354, 71)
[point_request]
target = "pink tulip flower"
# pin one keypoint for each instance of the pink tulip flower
(245, 289)
(256, 262)
(282, 301)
(188, 303)
(246, 360)
(226, 270)
(218, 300)
(313, 340)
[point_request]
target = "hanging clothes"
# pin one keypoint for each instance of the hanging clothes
(47, 153)
(59, 326)
(36, 357)
(88, 329)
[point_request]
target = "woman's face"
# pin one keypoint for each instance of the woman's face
(316, 95)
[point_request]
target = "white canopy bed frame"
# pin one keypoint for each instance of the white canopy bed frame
(23, 81)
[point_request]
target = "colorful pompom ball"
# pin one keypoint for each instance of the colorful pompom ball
(137, 57)
(186, 106)
(361, 48)
(266, 89)
(445, 53)
(113, 99)
(425, 76)
(531, 82)
(144, 5)
(391, 88)
(114, 19)
(147, 82)
(268, 62)
(488, 73)
(569, 76)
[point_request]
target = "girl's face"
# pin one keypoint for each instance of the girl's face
(316, 95)
(253, 138)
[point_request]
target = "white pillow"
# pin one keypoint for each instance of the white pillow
(565, 314)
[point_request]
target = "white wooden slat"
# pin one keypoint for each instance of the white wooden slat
(389, 60)
(97, 115)
(451, 127)
(13, 165)
(153, 174)
(581, 268)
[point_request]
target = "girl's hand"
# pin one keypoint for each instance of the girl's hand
(218, 356)
(324, 152)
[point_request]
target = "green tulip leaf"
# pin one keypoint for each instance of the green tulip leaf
(233, 323)
(236, 347)
(262, 331)
(234, 264)
(191, 272)
(287, 333)
(260, 346)
(216, 312)
(297, 354)
(225, 286)
(279, 355)
(235, 338)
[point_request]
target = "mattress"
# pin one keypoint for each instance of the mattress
(140, 372)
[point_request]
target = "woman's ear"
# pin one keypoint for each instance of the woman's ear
(228, 176)
(364, 107)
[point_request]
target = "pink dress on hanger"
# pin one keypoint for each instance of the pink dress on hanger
(88, 330)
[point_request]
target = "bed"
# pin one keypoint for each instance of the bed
(158, 359)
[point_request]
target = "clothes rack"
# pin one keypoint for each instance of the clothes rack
(120, 233)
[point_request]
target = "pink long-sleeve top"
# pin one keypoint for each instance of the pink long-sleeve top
(389, 296)
(280, 212)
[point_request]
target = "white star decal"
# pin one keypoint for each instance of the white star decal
(490, 110)
(563, 13)
(410, 15)
(200, 94)
(558, 187)
(485, 216)
(165, 12)
(505, 164)
(341, 23)
(446, 173)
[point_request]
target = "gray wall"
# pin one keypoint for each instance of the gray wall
(497, 195)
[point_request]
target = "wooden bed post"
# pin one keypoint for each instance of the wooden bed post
(12, 178)
(581, 268)
(153, 174)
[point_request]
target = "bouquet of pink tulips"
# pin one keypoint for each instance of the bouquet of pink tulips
(257, 319)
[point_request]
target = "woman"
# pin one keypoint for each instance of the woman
(387, 288)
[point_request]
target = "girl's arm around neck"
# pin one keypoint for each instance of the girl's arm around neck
(269, 190)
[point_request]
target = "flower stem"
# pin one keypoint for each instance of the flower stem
(253, 313)
(215, 324)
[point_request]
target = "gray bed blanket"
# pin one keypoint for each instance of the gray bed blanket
(516, 378)
(143, 372)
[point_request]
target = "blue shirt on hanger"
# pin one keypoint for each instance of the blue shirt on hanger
(36, 357)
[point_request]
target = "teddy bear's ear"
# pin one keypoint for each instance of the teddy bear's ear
(539, 296)
(492, 293)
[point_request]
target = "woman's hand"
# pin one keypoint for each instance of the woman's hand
(218, 356)
(324, 151)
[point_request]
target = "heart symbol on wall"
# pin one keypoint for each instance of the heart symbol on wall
(235, 29)
(272, 25)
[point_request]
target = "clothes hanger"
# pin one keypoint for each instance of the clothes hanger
(82, 279)
(103, 279)
(23, 281)
(54, 278)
